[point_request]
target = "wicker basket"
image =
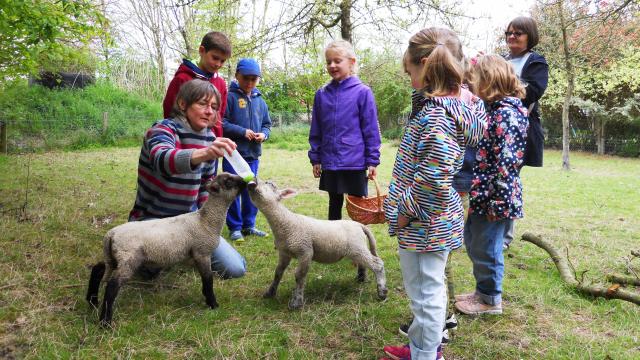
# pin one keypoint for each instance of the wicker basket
(367, 210)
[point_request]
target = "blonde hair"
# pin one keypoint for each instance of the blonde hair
(344, 48)
(494, 79)
(442, 72)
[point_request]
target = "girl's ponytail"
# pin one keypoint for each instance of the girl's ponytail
(439, 52)
(442, 72)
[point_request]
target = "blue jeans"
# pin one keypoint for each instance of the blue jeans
(242, 213)
(483, 240)
(227, 262)
(423, 277)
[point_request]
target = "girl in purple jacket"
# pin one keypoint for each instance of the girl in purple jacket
(344, 136)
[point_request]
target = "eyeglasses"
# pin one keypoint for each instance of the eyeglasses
(514, 33)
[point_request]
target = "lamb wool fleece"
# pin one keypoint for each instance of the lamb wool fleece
(167, 184)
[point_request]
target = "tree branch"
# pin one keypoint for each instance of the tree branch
(613, 292)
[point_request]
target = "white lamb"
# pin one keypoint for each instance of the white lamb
(163, 242)
(306, 238)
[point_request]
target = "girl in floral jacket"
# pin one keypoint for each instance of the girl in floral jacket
(422, 207)
(496, 190)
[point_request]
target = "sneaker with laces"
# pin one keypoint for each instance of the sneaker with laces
(398, 352)
(476, 306)
(466, 297)
(451, 322)
(253, 231)
(236, 236)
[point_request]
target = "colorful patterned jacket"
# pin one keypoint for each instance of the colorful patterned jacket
(429, 155)
(496, 190)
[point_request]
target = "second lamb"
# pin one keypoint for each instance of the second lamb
(305, 238)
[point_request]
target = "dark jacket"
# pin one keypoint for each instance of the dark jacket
(246, 112)
(344, 132)
(188, 71)
(535, 74)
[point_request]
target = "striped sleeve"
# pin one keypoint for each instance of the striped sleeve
(165, 155)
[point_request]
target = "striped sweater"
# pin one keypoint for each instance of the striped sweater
(167, 183)
(430, 154)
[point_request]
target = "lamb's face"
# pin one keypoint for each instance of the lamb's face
(226, 185)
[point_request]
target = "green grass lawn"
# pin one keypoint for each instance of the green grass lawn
(75, 197)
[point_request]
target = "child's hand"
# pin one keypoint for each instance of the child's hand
(317, 170)
(372, 172)
(259, 137)
(249, 134)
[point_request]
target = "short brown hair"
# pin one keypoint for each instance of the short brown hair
(192, 91)
(494, 79)
(528, 26)
(442, 72)
(216, 40)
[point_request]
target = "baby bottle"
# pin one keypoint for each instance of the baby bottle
(239, 165)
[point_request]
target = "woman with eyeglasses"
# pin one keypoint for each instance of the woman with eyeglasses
(533, 71)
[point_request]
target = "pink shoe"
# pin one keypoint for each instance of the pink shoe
(398, 352)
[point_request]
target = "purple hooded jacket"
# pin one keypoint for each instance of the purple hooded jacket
(344, 131)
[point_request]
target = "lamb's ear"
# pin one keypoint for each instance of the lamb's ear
(287, 193)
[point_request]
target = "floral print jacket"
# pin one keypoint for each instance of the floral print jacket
(429, 155)
(496, 190)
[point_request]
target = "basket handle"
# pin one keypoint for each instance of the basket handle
(375, 182)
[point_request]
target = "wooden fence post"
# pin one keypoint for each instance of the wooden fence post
(105, 122)
(3, 137)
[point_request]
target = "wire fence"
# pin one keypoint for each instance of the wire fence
(19, 136)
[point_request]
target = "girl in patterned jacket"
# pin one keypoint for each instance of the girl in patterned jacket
(496, 190)
(422, 207)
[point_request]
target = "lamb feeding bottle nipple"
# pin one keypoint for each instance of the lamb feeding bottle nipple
(239, 165)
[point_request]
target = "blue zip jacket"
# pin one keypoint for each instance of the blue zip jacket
(246, 112)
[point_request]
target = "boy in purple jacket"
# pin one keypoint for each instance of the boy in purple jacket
(344, 136)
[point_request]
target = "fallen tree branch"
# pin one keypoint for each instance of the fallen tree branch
(613, 292)
(622, 279)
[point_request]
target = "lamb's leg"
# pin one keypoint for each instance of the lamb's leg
(283, 262)
(377, 266)
(362, 274)
(97, 272)
(297, 300)
(115, 280)
(203, 263)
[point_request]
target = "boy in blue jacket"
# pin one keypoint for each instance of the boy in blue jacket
(246, 121)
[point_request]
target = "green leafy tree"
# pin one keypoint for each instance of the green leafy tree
(580, 35)
(33, 32)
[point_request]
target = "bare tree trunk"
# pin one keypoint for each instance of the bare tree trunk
(346, 27)
(184, 32)
(600, 135)
(569, 94)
